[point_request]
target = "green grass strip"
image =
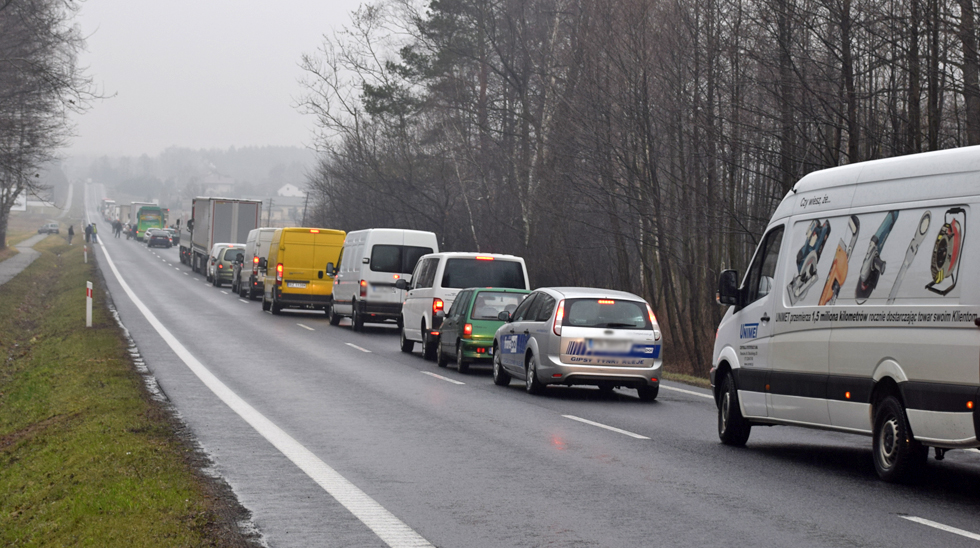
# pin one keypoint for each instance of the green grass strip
(86, 457)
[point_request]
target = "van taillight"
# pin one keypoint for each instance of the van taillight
(255, 260)
(363, 288)
(437, 305)
(559, 316)
(467, 330)
(279, 273)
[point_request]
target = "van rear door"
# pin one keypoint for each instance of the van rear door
(297, 261)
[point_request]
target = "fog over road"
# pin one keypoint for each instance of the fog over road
(462, 462)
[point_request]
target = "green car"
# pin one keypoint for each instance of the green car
(469, 326)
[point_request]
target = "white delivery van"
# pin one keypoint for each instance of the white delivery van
(855, 314)
(371, 262)
(252, 274)
(436, 281)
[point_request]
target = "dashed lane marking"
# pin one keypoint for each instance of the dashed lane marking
(391, 530)
(243, 300)
(358, 347)
(306, 327)
(225, 292)
(942, 527)
(447, 379)
(606, 426)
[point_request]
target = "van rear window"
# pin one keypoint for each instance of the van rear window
(463, 273)
(398, 259)
(607, 313)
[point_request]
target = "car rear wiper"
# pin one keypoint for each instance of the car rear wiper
(614, 324)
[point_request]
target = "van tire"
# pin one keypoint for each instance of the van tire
(462, 366)
(897, 456)
(276, 307)
(334, 317)
(500, 377)
(407, 345)
(356, 318)
(531, 382)
(429, 345)
(265, 304)
(733, 429)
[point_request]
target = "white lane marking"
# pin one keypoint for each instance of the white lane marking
(942, 527)
(243, 300)
(690, 392)
(607, 427)
(186, 274)
(306, 327)
(225, 292)
(389, 528)
(358, 347)
(973, 450)
(443, 378)
(175, 268)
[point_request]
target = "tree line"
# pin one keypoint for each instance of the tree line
(40, 85)
(633, 144)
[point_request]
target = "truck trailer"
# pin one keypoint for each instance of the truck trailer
(216, 220)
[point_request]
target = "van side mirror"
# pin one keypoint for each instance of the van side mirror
(330, 270)
(400, 283)
(263, 262)
(504, 316)
(728, 293)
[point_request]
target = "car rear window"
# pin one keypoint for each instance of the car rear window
(463, 273)
(489, 304)
(232, 252)
(607, 313)
(399, 259)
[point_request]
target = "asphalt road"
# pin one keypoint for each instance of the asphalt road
(462, 462)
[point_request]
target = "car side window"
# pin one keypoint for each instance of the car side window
(544, 308)
(759, 278)
(458, 305)
(521, 314)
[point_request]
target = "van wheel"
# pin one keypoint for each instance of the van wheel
(531, 382)
(500, 377)
(733, 429)
(276, 307)
(356, 319)
(897, 456)
(461, 364)
(265, 304)
(442, 360)
(334, 317)
(648, 393)
(407, 345)
(429, 345)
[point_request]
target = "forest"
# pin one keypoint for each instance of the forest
(631, 144)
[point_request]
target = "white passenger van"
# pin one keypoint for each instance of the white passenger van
(256, 248)
(372, 261)
(436, 281)
(855, 314)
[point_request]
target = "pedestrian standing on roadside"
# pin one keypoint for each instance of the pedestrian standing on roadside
(95, 234)
(71, 232)
(88, 233)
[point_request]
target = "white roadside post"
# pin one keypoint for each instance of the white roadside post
(85, 253)
(88, 304)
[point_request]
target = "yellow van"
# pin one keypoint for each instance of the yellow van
(300, 268)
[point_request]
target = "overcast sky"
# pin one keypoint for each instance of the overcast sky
(199, 73)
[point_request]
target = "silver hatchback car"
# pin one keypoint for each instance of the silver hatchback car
(577, 335)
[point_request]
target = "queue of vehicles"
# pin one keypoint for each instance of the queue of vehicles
(897, 364)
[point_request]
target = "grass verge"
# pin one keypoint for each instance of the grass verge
(7, 253)
(87, 458)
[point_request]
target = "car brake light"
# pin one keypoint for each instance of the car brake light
(437, 305)
(467, 330)
(255, 260)
(606, 301)
(481, 258)
(314, 231)
(279, 273)
(364, 288)
(221, 265)
(559, 316)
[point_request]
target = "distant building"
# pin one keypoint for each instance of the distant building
(291, 191)
(218, 185)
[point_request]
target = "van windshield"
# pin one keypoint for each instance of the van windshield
(463, 273)
(607, 313)
(398, 259)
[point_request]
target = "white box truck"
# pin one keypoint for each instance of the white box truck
(213, 220)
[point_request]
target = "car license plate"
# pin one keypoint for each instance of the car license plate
(603, 345)
(297, 285)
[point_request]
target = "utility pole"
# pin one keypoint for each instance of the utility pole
(306, 201)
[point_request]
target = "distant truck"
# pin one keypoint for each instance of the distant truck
(149, 216)
(213, 220)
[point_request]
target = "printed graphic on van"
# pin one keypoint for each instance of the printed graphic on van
(873, 266)
(807, 257)
(749, 331)
(920, 234)
(838, 269)
(946, 252)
